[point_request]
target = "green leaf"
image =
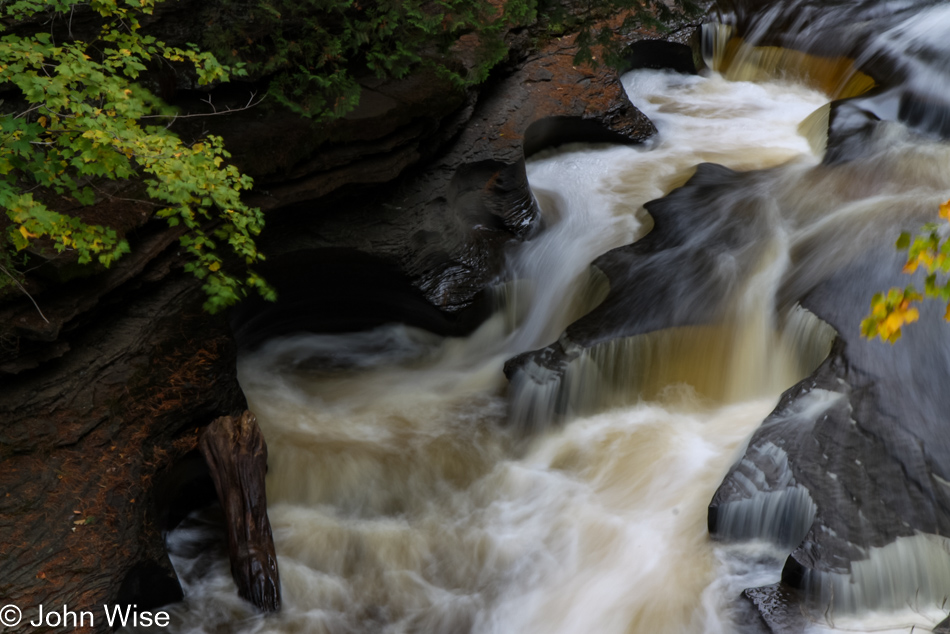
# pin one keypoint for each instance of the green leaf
(86, 129)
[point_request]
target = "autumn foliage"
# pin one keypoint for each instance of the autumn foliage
(892, 310)
(81, 118)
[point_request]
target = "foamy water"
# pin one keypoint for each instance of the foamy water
(400, 499)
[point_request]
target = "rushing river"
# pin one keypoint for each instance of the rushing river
(401, 497)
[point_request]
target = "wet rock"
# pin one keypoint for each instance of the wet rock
(346, 291)
(673, 55)
(777, 607)
(867, 477)
(446, 225)
(653, 281)
(911, 79)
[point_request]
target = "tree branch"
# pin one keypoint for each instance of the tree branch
(20, 286)
(215, 112)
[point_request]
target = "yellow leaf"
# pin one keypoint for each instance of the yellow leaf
(879, 310)
(42, 121)
(26, 234)
(198, 147)
(214, 266)
(892, 324)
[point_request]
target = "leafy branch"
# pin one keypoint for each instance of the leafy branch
(83, 123)
(80, 117)
(891, 311)
(315, 51)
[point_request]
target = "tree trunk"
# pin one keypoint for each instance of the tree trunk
(237, 457)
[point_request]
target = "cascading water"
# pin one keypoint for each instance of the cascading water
(402, 501)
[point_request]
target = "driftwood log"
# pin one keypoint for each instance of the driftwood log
(236, 453)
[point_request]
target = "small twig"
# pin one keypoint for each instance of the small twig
(127, 27)
(131, 200)
(20, 286)
(215, 112)
(54, 257)
(26, 112)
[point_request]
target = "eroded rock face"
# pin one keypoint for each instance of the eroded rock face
(445, 225)
(844, 488)
(85, 438)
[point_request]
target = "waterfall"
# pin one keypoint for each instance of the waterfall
(411, 488)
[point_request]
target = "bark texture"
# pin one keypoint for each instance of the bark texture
(236, 453)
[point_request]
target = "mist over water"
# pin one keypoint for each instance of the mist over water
(401, 498)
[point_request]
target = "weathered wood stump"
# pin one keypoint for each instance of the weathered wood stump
(236, 453)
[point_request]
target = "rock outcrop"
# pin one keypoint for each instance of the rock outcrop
(87, 439)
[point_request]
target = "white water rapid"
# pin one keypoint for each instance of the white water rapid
(400, 499)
